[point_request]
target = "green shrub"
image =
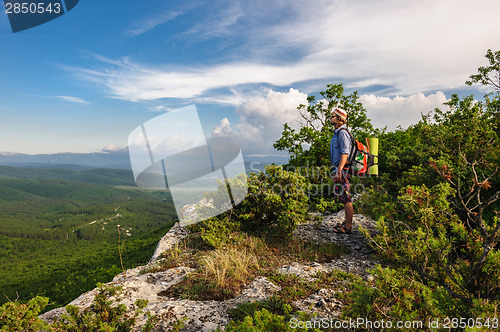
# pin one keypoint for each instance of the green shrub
(276, 202)
(274, 305)
(15, 316)
(422, 232)
(437, 201)
(396, 296)
(104, 314)
(217, 231)
(263, 320)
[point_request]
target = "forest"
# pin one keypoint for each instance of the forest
(59, 238)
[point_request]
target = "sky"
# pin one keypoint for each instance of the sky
(84, 81)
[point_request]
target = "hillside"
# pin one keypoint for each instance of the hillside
(314, 284)
(103, 176)
(59, 237)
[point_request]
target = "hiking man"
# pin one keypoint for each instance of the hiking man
(340, 148)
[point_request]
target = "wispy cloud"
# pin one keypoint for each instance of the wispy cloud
(219, 25)
(150, 23)
(411, 47)
(74, 100)
(138, 82)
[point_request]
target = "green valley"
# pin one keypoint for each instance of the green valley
(60, 237)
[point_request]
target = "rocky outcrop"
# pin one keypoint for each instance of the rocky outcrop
(173, 236)
(208, 315)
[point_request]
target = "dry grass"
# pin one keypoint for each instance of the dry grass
(224, 272)
(229, 265)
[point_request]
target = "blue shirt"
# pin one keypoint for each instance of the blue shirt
(339, 145)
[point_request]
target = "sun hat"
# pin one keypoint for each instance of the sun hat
(341, 113)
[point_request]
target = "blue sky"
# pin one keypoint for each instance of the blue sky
(83, 82)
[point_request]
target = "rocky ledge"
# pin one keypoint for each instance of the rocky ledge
(208, 315)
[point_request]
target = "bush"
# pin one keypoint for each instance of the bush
(104, 314)
(263, 320)
(437, 202)
(15, 316)
(275, 204)
(395, 296)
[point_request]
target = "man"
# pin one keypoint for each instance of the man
(340, 148)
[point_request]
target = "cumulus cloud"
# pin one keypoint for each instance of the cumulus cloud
(400, 111)
(262, 118)
(223, 129)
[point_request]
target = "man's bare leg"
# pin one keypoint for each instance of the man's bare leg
(349, 212)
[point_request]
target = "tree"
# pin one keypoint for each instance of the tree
(310, 144)
(488, 76)
(444, 223)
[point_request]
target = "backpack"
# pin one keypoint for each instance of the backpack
(360, 158)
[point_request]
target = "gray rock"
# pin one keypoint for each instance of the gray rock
(209, 315)
(173, 236)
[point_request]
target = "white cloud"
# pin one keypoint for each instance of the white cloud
(405, 47)
(217, 26)
(261, 119)
(414, 46)
(74, 100)
(114, 148)
(409, 47)
(400, 111)
(172, 145)
(150, 23)
(223, 129)
(137, 82)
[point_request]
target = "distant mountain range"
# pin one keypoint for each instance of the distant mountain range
(79, 161)
(114, 160)
(102, 176)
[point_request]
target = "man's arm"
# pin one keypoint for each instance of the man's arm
(343, 160)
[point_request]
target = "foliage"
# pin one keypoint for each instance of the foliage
(319, 187)
(16, 316)
(58, 238)
(178, 325)
(488, 76)
(437, 202)
(316, 131)
(102, 176)
(263, 320)
(396, 295)
(274, 305)
(106, 313)
(276, 202)
(438, 245)
(217, 231)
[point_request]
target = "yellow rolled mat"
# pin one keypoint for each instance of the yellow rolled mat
(373, 147)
